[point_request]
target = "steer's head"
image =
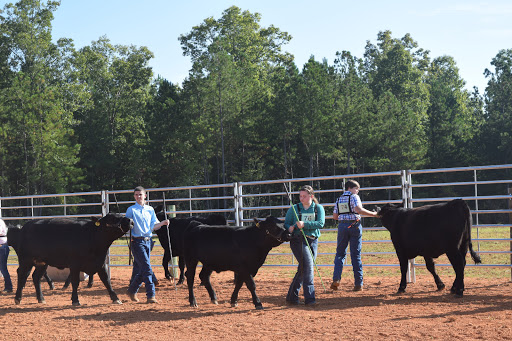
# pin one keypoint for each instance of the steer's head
(274, 228)
(115, 222)
(386, 214)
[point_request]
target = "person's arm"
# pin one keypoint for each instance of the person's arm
(160, 224)
(363, 211)
(289, 220)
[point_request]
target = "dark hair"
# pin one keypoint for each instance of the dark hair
(139, 189)
(351, 184)
(309, 189)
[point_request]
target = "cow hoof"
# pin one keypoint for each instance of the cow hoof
(17, 301)
(52, 286)
(89, 285)
(193, 305)
(234, 305)
(440, 287)
(42, 301)
(215, 302)
(76, 304)
(259, 307)
(118, 301)
(168, 276)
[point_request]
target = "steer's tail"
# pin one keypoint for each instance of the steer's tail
(469, 224)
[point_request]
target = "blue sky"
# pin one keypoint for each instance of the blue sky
(470, 31)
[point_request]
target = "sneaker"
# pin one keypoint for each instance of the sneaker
(132, 296)
(335, 285)
(358, 288)
(311, 304)
(152, 300)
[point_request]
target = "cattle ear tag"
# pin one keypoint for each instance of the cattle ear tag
(258, 225)
(97, 223)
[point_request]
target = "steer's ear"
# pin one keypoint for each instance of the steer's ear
(96, 221)
(256, 222)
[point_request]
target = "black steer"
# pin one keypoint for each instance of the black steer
(242, 250)
(177, 227)
(431, 231)
(77, 244)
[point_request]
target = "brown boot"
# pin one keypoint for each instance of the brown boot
(335, 285)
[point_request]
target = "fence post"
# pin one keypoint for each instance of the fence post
(104, 212)
(239, 214)
(411, 270)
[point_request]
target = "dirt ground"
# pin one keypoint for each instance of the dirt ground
(377, 312)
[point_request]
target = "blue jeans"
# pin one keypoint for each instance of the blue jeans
(354, 236)
(136, 267)
(305, 271)
(4, 254)
(142, 267)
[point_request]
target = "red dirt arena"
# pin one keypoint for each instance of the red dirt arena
(376, 313)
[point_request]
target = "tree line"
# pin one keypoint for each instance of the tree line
(92, 118)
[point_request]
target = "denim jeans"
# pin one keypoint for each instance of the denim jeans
(142, 267)
(135, 268)
(4, 254)
(304, 277)
(352, 235)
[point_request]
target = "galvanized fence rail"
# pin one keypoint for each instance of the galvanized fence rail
(487, 189)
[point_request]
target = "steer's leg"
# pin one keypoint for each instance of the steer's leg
(204, 275)
(91, 281)
(238, 284)
(37, 275)
(49, 280)
(404, 264)
(23, 272)
(102, 273)
(74, 274)
(165, 262)
(67, 282)
(249, 281)
(458, 266)
(429, 262)
(181, 264)
(190, 274)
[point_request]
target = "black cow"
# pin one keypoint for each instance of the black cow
(431, 231)
(177, 227)
(242, 250)
(77, 244)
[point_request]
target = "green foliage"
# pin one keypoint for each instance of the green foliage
(498, 100)
(95, 118)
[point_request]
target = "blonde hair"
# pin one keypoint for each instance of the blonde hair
(310, 191)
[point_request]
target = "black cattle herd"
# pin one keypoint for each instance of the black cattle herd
(82, 245)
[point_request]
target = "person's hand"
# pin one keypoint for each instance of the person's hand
(300, 224)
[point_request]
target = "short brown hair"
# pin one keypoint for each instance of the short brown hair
(139, 189)
(351, 184)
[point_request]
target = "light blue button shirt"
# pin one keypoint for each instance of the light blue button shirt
(144, 219)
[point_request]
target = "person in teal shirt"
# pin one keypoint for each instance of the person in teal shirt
(311, 218)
